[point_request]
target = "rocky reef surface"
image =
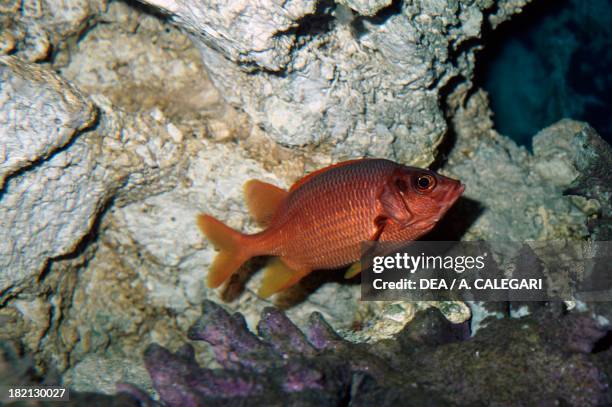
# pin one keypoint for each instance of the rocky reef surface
(548, 357)
(120, 122)
(430, 362)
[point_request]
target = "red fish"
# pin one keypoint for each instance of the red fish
(322, 220)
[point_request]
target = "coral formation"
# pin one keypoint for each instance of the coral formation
(432, 362)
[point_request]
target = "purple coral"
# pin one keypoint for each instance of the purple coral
(266, 369)
(527, 361)
(280, 366)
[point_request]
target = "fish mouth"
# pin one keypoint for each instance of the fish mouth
(453, 194)
(449, 198)
(460, 189)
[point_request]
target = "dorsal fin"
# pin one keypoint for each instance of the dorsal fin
(304, 179)
(263, 200)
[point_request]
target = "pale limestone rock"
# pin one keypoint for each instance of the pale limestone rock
(366, 7)
(510, 193)
(40, 113)
(35, 29)
(140, 65)
(326, 82)
(50, 194)
(505, 9)
(106, 373)
(60, 172)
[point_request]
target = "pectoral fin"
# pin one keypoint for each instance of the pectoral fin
(379, 226)
(263, 200)
(278, 277)
(353, 270)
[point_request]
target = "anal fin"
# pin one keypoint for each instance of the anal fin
(263, 200)
(278, 277)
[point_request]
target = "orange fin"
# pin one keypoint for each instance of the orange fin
(230, 243)
(278, 277)
(263, 200)
(380, 222)
(353, 270)
(304, 179)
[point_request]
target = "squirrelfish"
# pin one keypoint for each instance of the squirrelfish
(322, 220)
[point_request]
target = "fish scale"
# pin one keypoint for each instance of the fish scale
(338, 230)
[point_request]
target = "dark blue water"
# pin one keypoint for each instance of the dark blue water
(552, 61)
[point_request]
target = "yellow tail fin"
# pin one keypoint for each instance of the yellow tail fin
(231, 245)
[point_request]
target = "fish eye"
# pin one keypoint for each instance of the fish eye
(425, 182)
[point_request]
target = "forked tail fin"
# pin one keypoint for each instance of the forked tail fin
(231, 245)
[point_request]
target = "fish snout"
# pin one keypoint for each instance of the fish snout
(460, 188)
(453, 193)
